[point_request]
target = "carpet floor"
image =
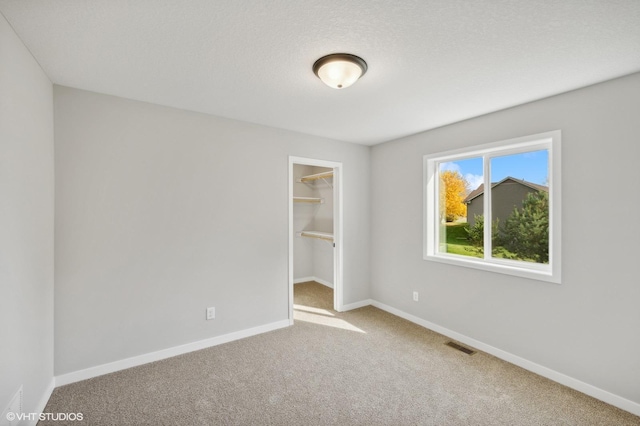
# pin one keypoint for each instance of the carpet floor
(362, 367)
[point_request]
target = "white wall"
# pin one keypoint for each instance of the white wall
(323, 251)
(26, 224)
(323, 261)
(163, 212)
(312, 257)
(587, 327)
(303, 215)
(323, 218)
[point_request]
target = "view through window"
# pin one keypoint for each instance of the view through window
(492, 205)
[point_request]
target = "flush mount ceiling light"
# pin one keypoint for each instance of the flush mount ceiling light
(339, 70)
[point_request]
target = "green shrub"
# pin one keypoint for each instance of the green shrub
(526, 231)
(475, 233)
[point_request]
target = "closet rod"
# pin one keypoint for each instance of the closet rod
(308, 200)
(325, 236)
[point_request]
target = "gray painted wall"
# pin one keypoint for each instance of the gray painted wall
(587, 327)
(162, 212)
(26, 224)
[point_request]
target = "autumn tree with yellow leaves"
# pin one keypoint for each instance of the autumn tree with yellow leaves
(453, 190)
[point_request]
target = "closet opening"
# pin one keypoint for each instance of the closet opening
(315, 233)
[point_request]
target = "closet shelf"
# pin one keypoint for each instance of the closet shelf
(310, 200)
(326, 236)
(311, 178)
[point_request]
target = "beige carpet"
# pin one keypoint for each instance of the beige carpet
(363, 367)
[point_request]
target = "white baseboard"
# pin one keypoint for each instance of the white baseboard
(603, 395)
(123, 364)
(356, 305)
(44, 400)
(316, 279)
(323, 282)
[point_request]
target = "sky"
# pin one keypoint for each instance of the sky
(530, 166)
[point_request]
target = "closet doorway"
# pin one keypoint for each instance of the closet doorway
(315, 226)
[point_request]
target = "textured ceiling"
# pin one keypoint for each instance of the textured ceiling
(431, 62)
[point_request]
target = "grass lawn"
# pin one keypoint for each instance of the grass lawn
(457, 242)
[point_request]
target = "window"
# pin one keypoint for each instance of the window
(496, 207)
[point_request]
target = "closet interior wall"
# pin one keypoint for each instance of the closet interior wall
(312, 258)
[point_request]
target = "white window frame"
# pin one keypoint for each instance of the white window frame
(550, 272)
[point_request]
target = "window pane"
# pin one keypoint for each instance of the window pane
(520, 206)
(459, 184)
(525, 169)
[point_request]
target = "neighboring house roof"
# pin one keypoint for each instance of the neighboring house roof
(480, 190)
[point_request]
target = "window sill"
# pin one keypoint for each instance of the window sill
(535, 272)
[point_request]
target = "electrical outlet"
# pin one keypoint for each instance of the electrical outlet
(415, 296)
(211, 313)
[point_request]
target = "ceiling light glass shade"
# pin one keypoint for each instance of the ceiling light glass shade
(339, 70)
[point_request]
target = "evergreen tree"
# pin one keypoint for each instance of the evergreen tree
(526, 231)
(476, 232)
